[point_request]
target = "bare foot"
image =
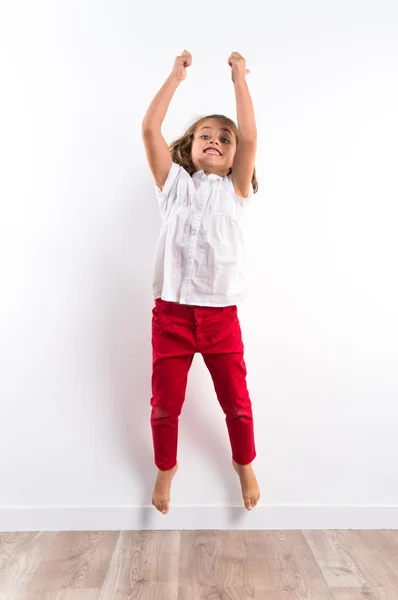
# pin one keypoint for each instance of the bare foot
(161, 492)
(249, 485)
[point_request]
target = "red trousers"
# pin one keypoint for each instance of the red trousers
(178, 332)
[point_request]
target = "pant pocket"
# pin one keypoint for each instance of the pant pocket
(161, 322)
(232, 314)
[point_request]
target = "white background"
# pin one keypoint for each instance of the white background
(79, 225)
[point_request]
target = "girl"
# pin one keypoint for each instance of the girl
(203, 182)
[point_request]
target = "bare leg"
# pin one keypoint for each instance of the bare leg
(249, 485)
(161, 492)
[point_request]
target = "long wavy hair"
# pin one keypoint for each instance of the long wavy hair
(181, 147)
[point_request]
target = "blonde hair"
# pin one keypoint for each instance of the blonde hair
(181, 147)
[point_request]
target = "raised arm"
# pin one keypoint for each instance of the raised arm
(156, 149)
(243, 167)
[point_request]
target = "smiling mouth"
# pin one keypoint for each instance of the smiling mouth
(212, 151)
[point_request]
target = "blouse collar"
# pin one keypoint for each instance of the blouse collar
(202, 175)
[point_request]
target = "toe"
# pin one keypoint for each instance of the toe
(248, 504)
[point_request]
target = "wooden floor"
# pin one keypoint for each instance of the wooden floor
(199, 565)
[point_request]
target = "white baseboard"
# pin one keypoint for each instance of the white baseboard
(105, 518)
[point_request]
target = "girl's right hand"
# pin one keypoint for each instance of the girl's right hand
(180, 64)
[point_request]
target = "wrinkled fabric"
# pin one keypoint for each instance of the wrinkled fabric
(178, 333)
(200, 254)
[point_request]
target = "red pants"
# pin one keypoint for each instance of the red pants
(178, 332)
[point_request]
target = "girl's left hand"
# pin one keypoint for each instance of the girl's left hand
(238, 65)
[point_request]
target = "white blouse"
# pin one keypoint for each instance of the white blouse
(200, 252)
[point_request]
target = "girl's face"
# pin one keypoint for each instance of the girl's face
(213, 148)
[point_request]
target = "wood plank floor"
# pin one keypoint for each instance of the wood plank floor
(200, 565)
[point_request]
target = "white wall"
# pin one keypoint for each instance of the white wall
(79, 224)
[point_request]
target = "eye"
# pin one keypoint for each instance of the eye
(223, 138)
